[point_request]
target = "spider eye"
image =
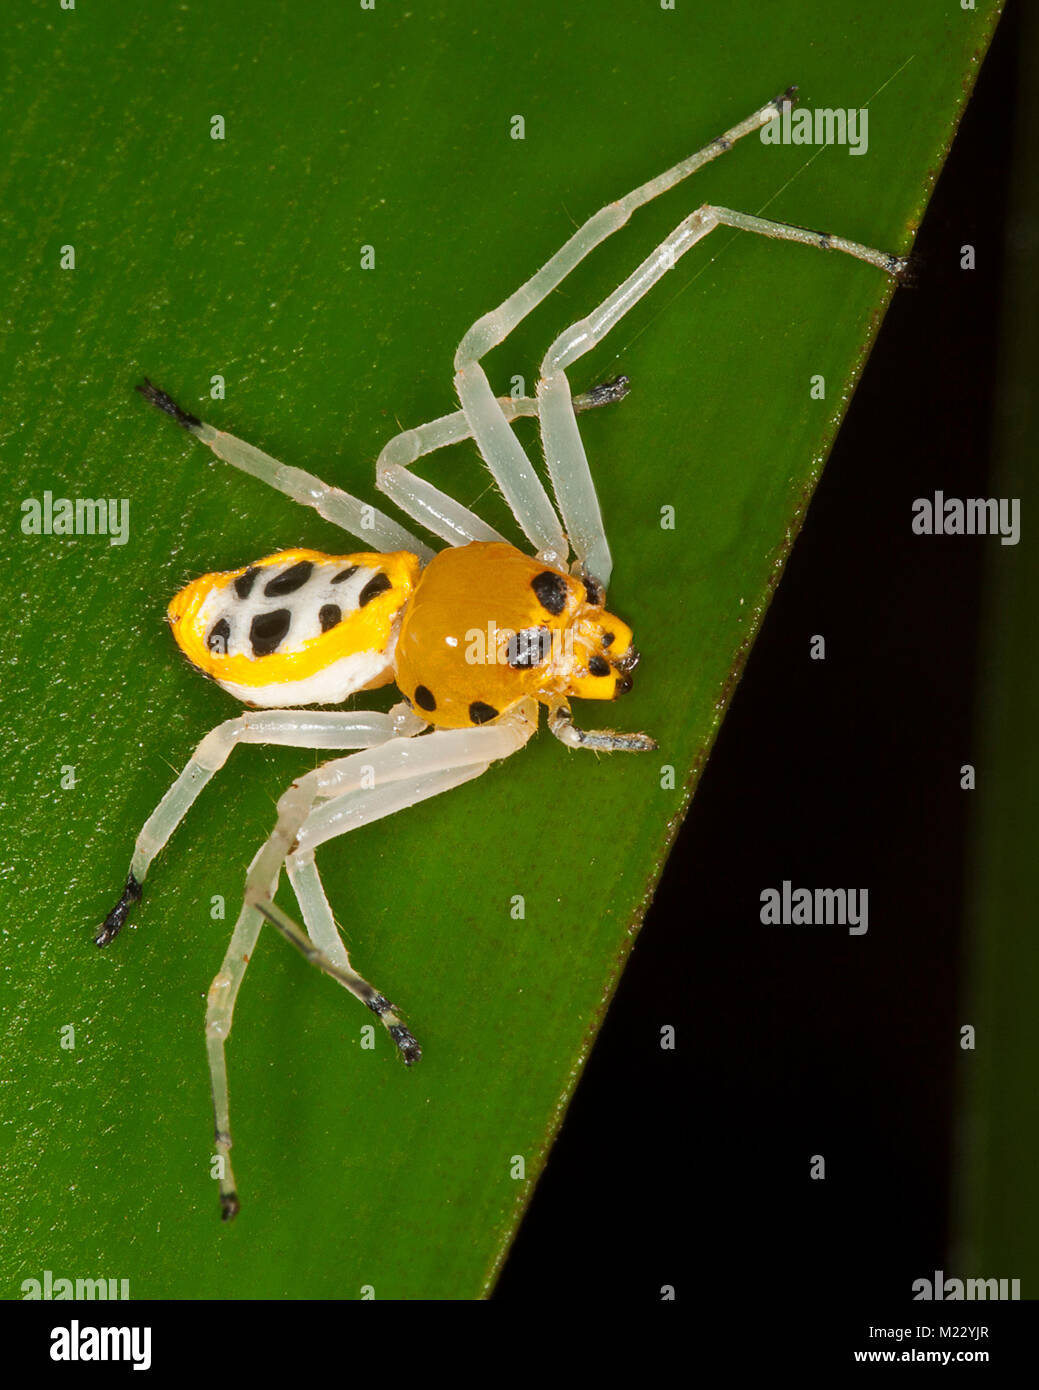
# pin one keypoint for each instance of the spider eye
(529, 648)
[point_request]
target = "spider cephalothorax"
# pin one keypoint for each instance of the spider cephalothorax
(488, 626)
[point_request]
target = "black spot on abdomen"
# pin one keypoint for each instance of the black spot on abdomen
(331, 615)
(343, 575)
(375, 586)
(217, 639)
(269, 630)
(289, 580)
(480, 713)
(598, 667)
(243, 585)
(551, 591)
(424, 698)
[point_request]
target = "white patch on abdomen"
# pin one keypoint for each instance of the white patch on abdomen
(330, 686)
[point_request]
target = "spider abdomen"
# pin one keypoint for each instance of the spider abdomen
(298, 627)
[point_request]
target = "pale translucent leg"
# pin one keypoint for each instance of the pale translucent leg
(501, 450)
(572, 482)
(504, 455)
(331, 819)
(288, 727)
(561, 723)
(564, 451)
(220, 1004)
(321, 928)
(299, 825)
(437, 511)
(376, 530)
(358, 789)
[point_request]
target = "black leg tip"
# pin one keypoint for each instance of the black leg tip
(609, 391)
(162, 401)
(403, 1037)
(906, 269)
(405, 1040)
(113, 923)
(229, 1206)
(789, 95)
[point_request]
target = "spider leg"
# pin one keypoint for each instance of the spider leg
(500, 448)
(321, 928)
(512, 470)
(355, 790)
(564, 451)
(292, 728)
(376, 530)
(561, 723)
(436, 510)
(220, 1004)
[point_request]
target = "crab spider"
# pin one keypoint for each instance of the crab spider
(300, 628)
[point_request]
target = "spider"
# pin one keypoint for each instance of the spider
(300, 628)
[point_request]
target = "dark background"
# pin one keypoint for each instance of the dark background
(691, 1167)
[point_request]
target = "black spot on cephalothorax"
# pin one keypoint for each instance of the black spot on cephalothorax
(607, 639)
(529, 648)
(480, 713)
(551, 591)
(346, 574)
(217, 639)
(331, 615)
(424, 698)
(375, 586)
(592, 590)
(269, 630)
(243, 585)
(598, 666)
(289, 580)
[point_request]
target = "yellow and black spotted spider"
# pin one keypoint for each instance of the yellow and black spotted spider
(476, 636)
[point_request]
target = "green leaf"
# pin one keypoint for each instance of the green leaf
(241, 258)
